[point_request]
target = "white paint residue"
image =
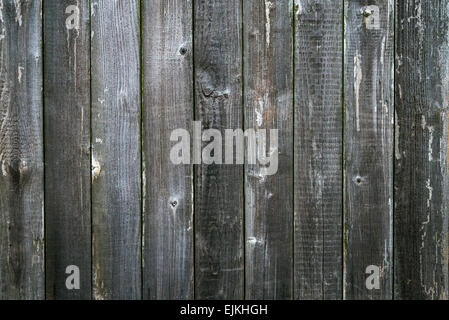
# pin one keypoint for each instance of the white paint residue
(260, 175)
(43, 218)
(4, 168)
(372, 17)
(430, 143)
(423, 243)
(259, 109)
(382, 51)
(429, 187)
(18, 12)
(423, 122)
(252, 240)
(96, 169)
(259, 117)
(92, 8)
(1, 10)
(396, 137)
(357, 81)
(418, 15)
(298, 8)
(98, 140)
(19, 71)
(144, 183)
(268, 6)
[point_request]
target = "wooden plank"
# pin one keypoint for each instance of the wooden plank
(268, 85)
(421, 150)
(167, 106)
(219, 270)
(21, 152)
(116, 159)
(318, 149)
(369, 102)
(67, 146)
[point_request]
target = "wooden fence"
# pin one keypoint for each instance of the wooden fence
(90, 92)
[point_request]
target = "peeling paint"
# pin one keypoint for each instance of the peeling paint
(20, 73)
(447, 156)
(357, 82)
(372, 17)
(252, 240)
(98, 285)
(423, 122)
(96, 169)
(4, 172)
(18, 18)
(298, 8)
(1, 11)
(268, 6)
(259, 110)
(260, 175)
(429, 199)
(397, 152)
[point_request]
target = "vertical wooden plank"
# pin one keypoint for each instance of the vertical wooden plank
(67, 146)
(318, 149)
(369, 102)
(421, 150)
(21, 151)
(268, 85)
(167, 106)
(116, 159)
(219, 188)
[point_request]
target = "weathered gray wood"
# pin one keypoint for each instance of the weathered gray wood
(67, 147)
(167, 105)
(219, 270)
(421, 150)
(318, 149)
(116, 159)
(368, 138)
(21, 152)
(268, 85)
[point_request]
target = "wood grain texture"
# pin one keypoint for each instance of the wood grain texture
(67, 148)
(116, 158)
(368, 138)
(167, 105)
(21, 152)
(318, 149)
(219, 266)
(268, 99)
(421, 150)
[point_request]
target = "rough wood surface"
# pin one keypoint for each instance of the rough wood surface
(219, 261)
(421, 150)
(67, 147)
(167, 105)
(88, 106)
(268, 99)
(116, 159)
(368, 139)
(318, 149)
(21, 152)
